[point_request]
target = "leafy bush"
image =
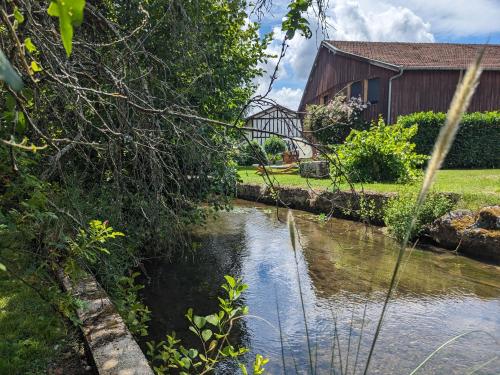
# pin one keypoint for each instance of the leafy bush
(274, 145)
(332, 123)
(214, 332)
(399, 211)
(476, 143)
(250, 153)
(383, 153)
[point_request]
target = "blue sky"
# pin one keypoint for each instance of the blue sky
(455, 21)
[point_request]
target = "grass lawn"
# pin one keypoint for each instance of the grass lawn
(32, 335)
(478, 187)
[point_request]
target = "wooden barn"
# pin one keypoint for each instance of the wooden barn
(275, 119)
(400, 78)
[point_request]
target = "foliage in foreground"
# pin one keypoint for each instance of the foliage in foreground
(400, 210)
(476, 142)
(384, 153)
(213, 332)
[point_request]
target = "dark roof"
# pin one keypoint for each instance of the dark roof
(421, 55)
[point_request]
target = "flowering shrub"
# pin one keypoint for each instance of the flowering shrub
(332, 123)
(383, 153)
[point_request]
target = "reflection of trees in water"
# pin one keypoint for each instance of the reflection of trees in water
(348, 257)
(195, 282)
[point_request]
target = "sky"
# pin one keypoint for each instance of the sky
(454, 21)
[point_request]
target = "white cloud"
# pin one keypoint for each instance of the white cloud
(351, 20)
(287, 97)
(394, 23)
(451, 17)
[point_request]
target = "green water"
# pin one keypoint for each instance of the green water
(344, 267)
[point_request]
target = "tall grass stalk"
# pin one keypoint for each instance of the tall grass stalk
(293, 239)
(459, 105)
(482, 365)
(442, 346)
(281, 333)
(360, 338)
(334, 338)
(349, 343)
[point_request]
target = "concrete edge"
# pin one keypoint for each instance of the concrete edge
(112, 346)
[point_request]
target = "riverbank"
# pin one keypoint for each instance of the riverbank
(369, 208)
(476, 187)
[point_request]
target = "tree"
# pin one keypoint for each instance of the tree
(274, 147)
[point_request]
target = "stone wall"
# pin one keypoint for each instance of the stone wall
(474, 234)
(343, 204)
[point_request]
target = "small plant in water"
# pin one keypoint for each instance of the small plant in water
(322, 218)
(213, 332)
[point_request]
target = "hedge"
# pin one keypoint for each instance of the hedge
(477, 144)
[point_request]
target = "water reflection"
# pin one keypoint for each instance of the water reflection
(344, 268)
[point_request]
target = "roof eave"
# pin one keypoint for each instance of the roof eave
(276, 105)
(446, 68)
(379, 63)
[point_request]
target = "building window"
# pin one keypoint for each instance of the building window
(374, 90)
(356, 89)
(325, 99)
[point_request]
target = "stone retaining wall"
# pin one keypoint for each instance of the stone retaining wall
(112, 346)
(343, 204)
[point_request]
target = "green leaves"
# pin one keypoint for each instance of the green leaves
(295, 21)
(215, 340)
(28, 43)
(18, 16)
(206, 334)
(199, 321)
(230, 280)
(70, 14)
(35, 67)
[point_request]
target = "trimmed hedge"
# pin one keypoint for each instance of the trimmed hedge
(477, 144)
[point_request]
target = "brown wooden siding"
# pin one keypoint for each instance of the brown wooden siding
(423, 90)
(414, 91)
(334, 72)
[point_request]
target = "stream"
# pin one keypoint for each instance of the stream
(344, 269)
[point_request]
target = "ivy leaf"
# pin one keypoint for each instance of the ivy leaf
(70, 13)
(212, 319)
(29, 45)
(18, 16)
(199, 321)
(206, 334)
(8, 74)
(2, 267)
